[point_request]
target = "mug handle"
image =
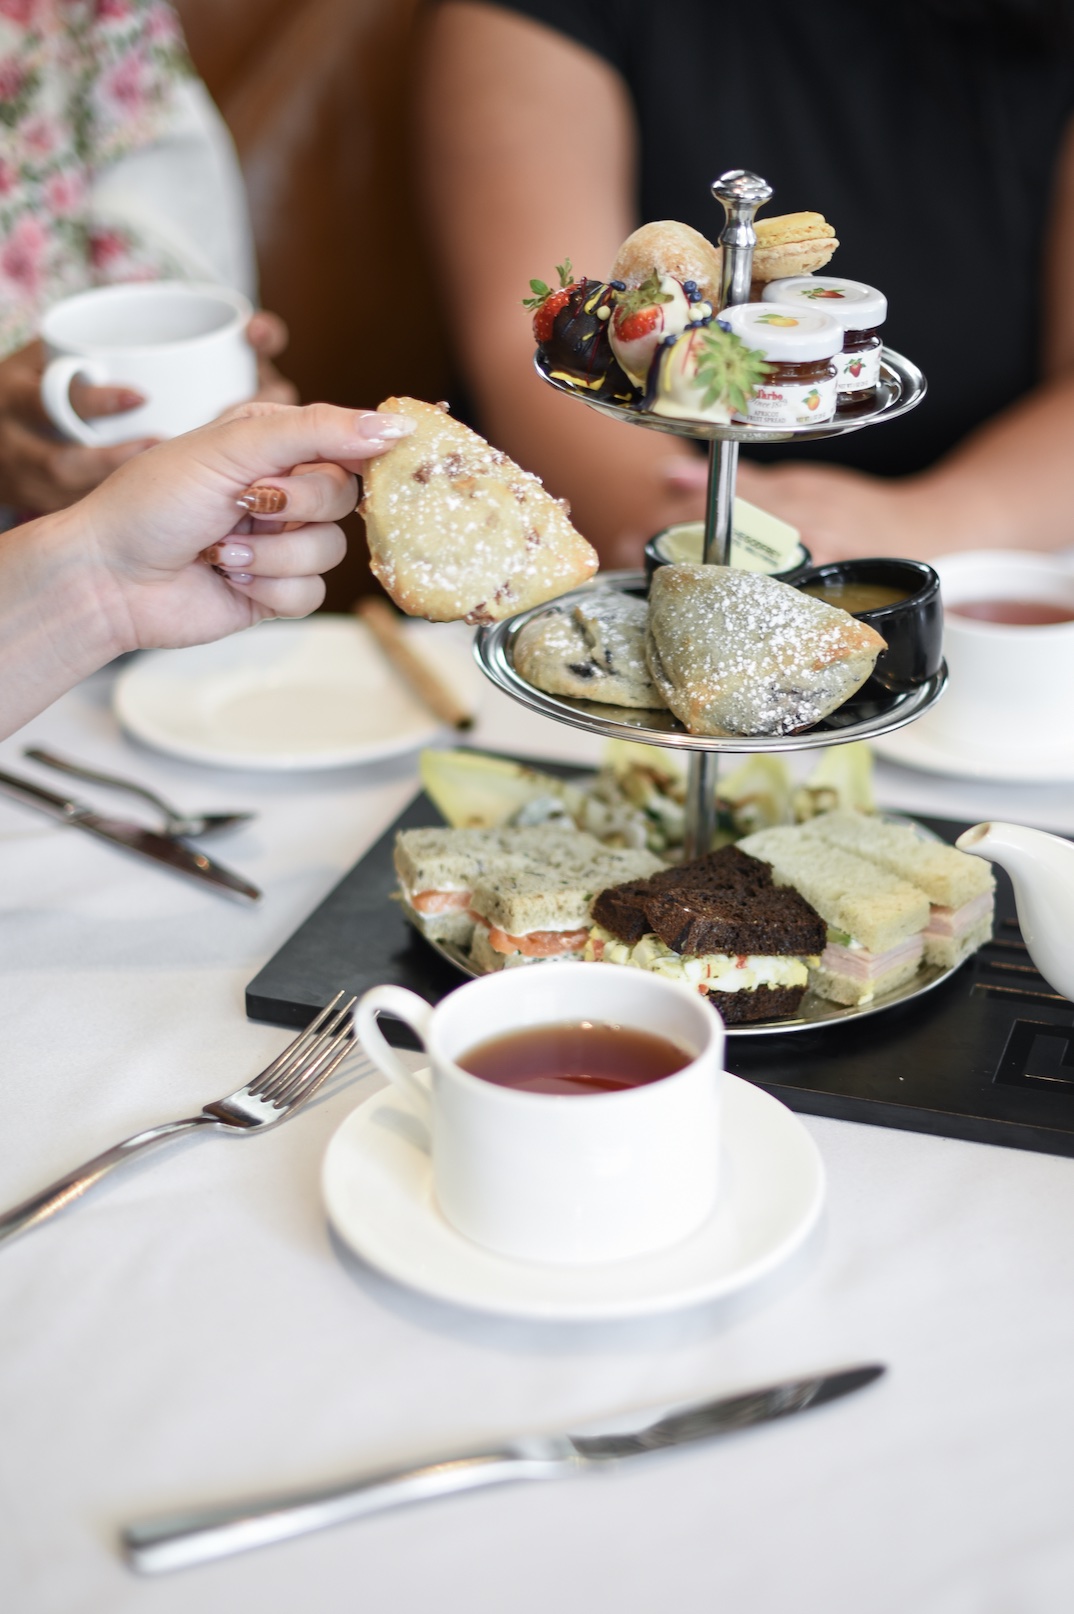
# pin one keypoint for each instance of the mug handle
(414, 1012)
(56, 396)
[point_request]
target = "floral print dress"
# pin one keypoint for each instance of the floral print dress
(83, 84)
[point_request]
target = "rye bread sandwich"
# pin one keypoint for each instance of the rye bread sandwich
(960, 889)
(876, 921)
(719, 924)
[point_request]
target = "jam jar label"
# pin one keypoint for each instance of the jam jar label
(792, 403)
(858, 371)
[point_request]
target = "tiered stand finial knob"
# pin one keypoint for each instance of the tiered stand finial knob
(742, 194)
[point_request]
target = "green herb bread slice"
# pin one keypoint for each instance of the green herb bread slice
(549, 881)
(458, 531)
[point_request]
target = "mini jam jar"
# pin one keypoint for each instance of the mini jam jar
(800, 344)
(859, 309)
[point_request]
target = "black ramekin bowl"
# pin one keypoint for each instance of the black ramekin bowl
(655, 555)
(912, 627)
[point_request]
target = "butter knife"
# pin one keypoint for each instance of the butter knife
(180, 1540)
(163, 849)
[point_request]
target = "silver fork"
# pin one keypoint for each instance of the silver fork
(277, 1092)
(175, 822)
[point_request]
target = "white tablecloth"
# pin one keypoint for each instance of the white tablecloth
(191, 1332)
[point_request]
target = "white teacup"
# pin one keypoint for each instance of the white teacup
(1010, 686)
(556, 1178)
(183, 346)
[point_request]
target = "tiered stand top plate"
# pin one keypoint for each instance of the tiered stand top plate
(900, 388)
(871, 712)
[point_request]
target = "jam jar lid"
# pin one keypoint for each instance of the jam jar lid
(854, 305)
(786, 333)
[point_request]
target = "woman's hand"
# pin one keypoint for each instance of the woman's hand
(227, 525)
(38, 471)
(188, 542)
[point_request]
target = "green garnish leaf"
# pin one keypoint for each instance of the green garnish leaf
(643, 296)
(540, 292)
(727, 369)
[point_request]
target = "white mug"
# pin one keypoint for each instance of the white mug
(1009, 686)
(563, 1178)
(183, 346)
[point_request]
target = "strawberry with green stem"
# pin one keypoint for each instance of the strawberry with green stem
(643, 316)
(547, 301)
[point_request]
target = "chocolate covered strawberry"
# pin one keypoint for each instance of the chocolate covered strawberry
(546, 302)
(570, 323)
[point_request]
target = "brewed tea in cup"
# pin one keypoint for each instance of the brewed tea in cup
(573, 1109)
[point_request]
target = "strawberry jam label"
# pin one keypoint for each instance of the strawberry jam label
(859, 370)
(791, 404)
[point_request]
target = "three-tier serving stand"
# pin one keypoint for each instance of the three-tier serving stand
(900, 388)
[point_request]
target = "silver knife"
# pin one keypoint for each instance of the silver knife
(162, 849)
(180, 1540)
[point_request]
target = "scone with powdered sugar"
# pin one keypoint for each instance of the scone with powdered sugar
(458, 531)
(594, 652)
(740, 653)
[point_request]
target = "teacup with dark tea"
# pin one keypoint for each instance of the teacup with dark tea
(517, 1168)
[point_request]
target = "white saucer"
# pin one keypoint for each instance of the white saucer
(918, 746)
(378, 1191)
(285, 695)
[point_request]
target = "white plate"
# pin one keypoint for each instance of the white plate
(1001, 759)
(377, 1185)
(285, 695)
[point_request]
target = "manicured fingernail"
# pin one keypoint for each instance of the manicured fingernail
(378, 428)
(263, 501)
(238, 577)
(231, 554)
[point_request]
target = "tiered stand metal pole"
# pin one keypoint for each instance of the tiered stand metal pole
(741, 195)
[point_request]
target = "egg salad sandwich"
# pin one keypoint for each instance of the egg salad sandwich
(876, 920)
(719, 924)
(960, 889)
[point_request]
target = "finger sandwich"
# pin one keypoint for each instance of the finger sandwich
(960, 889)
(533, 901)
(437, 869)
(876, 920)
(719, 924)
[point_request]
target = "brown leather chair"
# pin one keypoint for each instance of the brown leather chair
(317, 96)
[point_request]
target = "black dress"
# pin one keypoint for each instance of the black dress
(930, 145)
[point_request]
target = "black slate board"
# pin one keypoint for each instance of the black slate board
(988, 1055)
